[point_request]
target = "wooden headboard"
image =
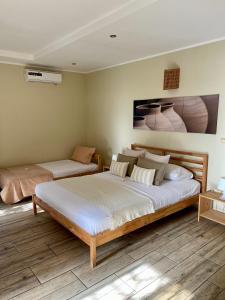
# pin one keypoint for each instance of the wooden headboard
(196, 162)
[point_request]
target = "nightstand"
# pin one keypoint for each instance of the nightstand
(106, 168)
(205, 207)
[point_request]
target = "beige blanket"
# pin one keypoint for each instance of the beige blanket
(19, 182)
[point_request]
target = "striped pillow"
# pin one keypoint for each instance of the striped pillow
(119, 168)
(142, 175)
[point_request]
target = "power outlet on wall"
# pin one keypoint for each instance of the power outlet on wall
(222, 140)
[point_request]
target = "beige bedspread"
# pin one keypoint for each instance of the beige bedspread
(19, 182)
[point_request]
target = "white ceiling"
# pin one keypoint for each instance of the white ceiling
(56, 33)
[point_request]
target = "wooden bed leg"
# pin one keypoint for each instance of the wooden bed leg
(93, 253)
(34, 206)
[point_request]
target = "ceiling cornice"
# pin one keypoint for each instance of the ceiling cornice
(38, 67)
(159, 54)
(16, 55)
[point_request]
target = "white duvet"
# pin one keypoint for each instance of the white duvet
(103, 201)
(62, 168)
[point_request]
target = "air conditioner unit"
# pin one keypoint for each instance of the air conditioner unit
(43, 76)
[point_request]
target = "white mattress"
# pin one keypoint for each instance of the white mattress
(62, 168)
(94, 220)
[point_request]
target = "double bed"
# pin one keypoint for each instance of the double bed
(102, 207)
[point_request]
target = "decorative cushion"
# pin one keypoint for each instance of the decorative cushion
(174, 172)
(83, 154)
(130, 159)
(158, 158)
(118, 168)
(142, 175)
(134, 153)
(159, 168)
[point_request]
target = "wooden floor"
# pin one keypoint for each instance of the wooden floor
(176, 258)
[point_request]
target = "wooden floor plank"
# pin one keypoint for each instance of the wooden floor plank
(22, 225)
(221, 296)
(160, 289)
(219, 278)
(120, 245)
(145, 270)
(7, 249)
(20, 261)
(177, 231)
(67, 291)
(91, 276)
(48, 287)
(65, 245)
(166, 225)
(153, 244)
(192, 272)
(14, 213)
(40, 240)
(46, 227)
(17, 283)
(175, 244)
(208, 231)
(60, 264)
(207, 291)
(214, 250)
(187, 250)
(111, 287)
(17, 236)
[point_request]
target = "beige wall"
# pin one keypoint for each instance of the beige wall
(39, 122)
(110, 95)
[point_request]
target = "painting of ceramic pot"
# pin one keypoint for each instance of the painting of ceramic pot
(178, 124)
(197, 114)
(155, 119)
(140, 122)
(194, 113)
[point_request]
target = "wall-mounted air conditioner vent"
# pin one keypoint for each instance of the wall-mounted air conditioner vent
(43, 76)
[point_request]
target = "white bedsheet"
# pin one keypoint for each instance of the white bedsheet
(168, 193)
(62, 168)
(94, 220)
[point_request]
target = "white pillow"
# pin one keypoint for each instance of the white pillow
(158, 158)
(114, 157)
(142, 175)
(134, 153)
(174, 172)
(118, 168)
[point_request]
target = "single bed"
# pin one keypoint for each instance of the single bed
(19, 182)
(112, 207)
(66, 168)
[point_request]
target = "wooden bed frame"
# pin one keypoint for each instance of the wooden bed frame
(196, 162)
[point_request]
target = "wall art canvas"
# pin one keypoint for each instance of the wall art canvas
(181, 114)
